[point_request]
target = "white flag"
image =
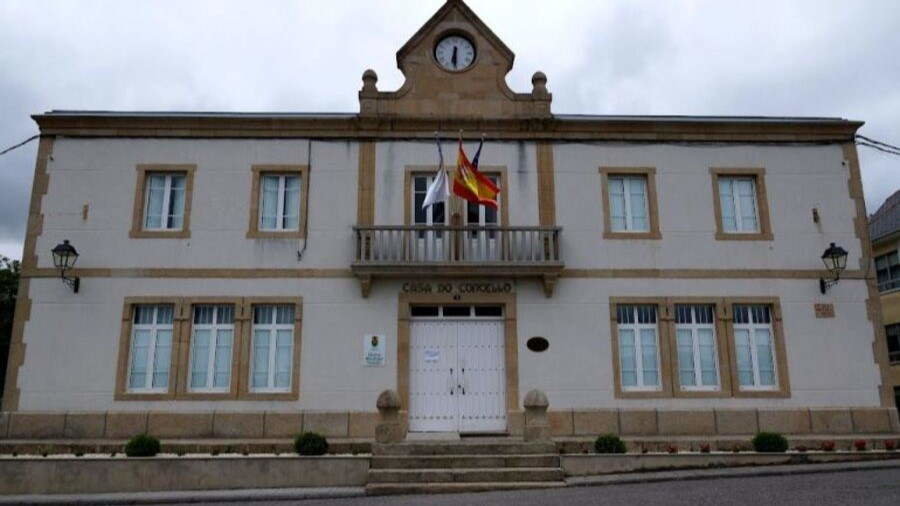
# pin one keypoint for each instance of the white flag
(439, 191)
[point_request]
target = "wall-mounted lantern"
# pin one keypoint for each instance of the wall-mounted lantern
(835, 260)
(64, 257)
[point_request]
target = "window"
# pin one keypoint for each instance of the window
(435, 214)
(888, 269)
(695, 332)
(754, 347)
(280, 203)
(151, 348)
(628, 203)
(272, 348)
(278, 198)
(893, 342)
(740, 202)
(212, 343)
(162, 202)
(897, 398)
(638, 347)
(164, 206)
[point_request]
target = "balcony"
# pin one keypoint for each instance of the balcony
(465, 251)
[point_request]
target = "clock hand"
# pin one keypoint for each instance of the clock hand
(453, 58)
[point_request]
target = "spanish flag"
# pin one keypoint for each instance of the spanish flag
(470, 184)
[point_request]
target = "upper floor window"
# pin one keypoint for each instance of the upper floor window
(212, 342)
(628, 203)
(738, 201)
(151, 348)
(279, 203)
(741, 207)
(754, 347)
(695, 332)
(888, 269)
(164, 206)
(638, 339)
(893, 342)
(432, 215)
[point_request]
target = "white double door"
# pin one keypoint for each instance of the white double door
(457, 377)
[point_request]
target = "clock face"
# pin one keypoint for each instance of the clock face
(455, 53)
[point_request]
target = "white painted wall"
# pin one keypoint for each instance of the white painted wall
(72, 340)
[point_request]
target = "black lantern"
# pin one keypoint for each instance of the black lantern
(835, 260)
(64, 257)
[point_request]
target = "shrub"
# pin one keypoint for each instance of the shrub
(828, 446)
(860, 445)
(801, 449)
(142, 445)
(705, 448)
(310, 443)
(672, 449)
(770, 442)
(609, 443)
(890, 445)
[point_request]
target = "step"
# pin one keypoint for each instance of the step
(462, 461)
(455, 488)
(464, 448)
(531, 474)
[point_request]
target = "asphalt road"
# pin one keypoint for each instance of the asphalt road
(847, 488)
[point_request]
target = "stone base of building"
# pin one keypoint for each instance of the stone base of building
(361, 425)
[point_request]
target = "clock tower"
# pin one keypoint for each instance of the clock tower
(455, 68)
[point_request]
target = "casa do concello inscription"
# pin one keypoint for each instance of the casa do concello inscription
(458, 288)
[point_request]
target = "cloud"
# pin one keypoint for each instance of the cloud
(804, 57)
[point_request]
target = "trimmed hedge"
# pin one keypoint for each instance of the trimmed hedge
(770, 442)
(142, 445)
(310, 443)
(609, 443)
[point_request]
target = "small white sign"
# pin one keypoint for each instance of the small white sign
(374, 351)
(433, 355)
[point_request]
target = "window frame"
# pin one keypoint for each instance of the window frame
(694, 327)
(255, 230)
(246, 389)
(893, 283)
(653, 232)
(123, 392)
(764, 232)
(141, 195)
(722, 349)
(893, 356)
(455, 206)
(184, 389)
(663, 348)
(782, 387)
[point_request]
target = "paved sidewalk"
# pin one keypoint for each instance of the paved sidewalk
(269, 495)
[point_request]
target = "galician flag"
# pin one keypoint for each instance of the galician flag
(439, 191)
(470, 184)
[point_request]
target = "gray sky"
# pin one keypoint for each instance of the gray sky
(765, 57)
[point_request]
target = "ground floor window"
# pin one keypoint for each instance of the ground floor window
(897, 398)
(754, 347)
(893, 342)
(695, 334)
(273, 344)
(151, 348)
(211, 348)
(638, 347)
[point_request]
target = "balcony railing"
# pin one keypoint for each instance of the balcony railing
(458, 251)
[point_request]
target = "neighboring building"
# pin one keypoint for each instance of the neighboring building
(652, 275)
(884, 228)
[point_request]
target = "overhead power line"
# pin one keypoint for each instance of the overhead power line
(19, 145)
(884, 147)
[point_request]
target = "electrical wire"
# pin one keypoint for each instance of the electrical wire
(879, 148)
(873, 141)
(19, 145)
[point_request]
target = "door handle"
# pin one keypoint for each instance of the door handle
(451, 381)
(463, 386)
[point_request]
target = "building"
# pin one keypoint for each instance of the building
(252, 274)
(884, 228)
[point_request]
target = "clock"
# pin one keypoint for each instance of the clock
(454, 53)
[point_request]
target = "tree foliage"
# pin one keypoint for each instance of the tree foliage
(9, 287)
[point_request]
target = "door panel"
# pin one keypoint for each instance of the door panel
(481, 359)
(432, 387)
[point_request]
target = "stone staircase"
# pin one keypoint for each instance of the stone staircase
(434, 467)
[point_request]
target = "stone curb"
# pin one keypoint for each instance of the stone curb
(737, 472)
(236, 496)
